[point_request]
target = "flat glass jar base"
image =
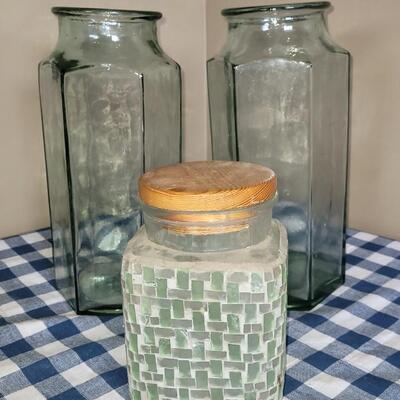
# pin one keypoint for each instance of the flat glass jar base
(100, 288)
(296, 304)
(111, 310)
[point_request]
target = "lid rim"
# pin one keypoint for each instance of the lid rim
(193, 187)
(112, 13)
(316, 5)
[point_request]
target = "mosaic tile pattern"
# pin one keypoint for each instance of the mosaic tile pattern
(205, 335)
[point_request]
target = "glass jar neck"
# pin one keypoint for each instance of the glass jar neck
(269, 24)
(264, 34)
(208, 231)
(103, 28)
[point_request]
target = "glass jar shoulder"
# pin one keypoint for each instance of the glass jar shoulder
(306, 51)
(268, 254)
(130, 59)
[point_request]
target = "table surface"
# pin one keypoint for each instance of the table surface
(347, 348)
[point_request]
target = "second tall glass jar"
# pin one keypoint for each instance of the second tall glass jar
(111, 109)
(279, 96)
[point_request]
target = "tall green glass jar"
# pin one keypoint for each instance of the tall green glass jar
(279, 96)
(111, 109)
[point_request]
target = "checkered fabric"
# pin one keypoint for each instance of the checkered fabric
(347, 348)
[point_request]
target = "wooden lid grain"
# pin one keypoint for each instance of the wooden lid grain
(207, 186)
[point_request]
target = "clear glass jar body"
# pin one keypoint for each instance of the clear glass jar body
(206, 324)
(279, 96)
(111, 109)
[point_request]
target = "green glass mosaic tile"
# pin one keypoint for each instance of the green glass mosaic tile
(235, 379)
(157, 377)
(199, 335)
(148, 334)
(250, 396)
(181, 323)
(219, 326)
(164, 332)
(257, 282)
(202, 379)
(198, 351)
(187, 382)
(235, 352)
(128, 282)
(216, 367)
(135, 368)
(161, 287)
(268, 322)
(217, 394)
(247, 357)
(271, 290)
(200, 364)
(253, 342)
(165, 347)
(148, 275)
(200, 394)
(233, 393)
(217, 340)
(232, 308)
(252, 371)
(249, 387)
(136, 395)
(217, 281)
(233, 323)
(152, 391)
(149, 291)
(270, 378)
(183, 394)
(250, 311)
(259, 386)
(182, 280)
(198, 321)
(181, 338)
(215, 295)
(178, 309)
(133, 342)
(169, 374)
(197, 290)
(232, 293)
(214, 311)
(151, 362)
(165, 273)
(170, 393)
(165, 317)
(184, 368)
(271, 349)
(182, 353)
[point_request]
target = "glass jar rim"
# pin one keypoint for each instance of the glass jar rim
(118, 14)
(208, 231)
(309, 6)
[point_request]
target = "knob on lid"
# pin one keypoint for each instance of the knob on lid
(207, 186)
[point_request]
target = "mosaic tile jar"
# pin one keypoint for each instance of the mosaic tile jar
(205, 285)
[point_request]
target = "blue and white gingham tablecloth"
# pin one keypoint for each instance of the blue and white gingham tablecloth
(347, 348)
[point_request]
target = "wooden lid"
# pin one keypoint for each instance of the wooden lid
(207, 186)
